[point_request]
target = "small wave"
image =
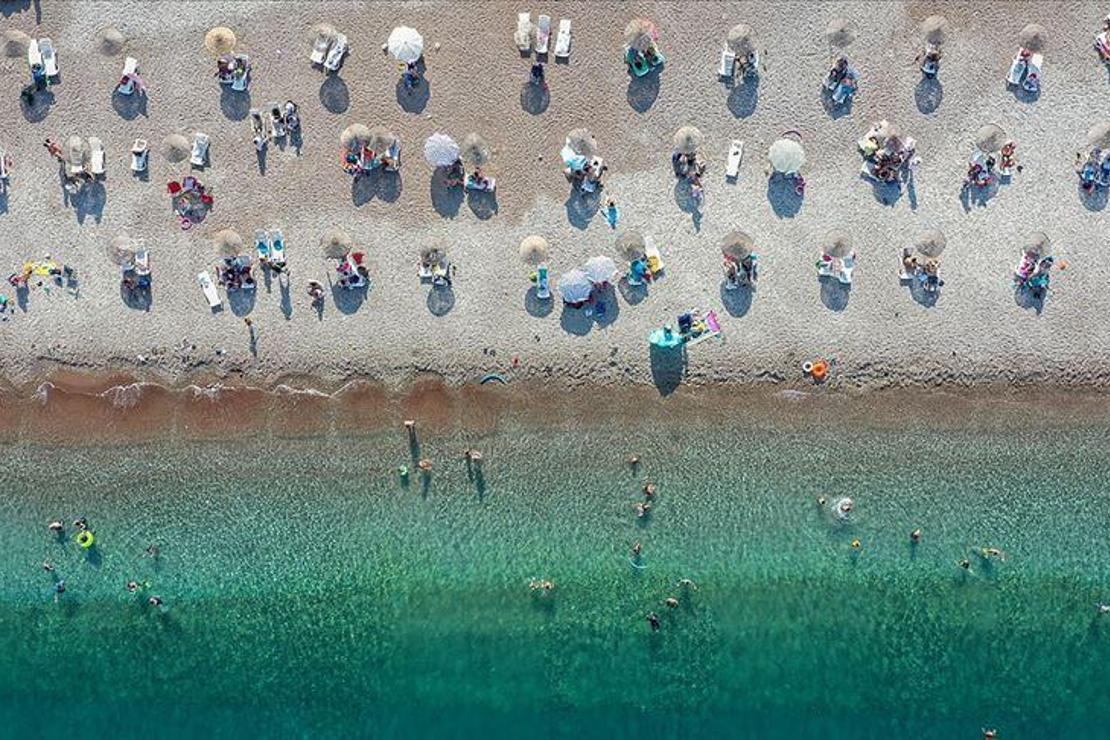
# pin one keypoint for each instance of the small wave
(42, 393)
(284, 389)
(210, 392)
(792, 394)
(124, 396)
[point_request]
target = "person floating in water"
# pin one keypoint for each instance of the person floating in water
(155, 601)
(991, 552)
(633, 461)
(56, 526)
(637, 548)
(670, 602)
(59, 589)
(542, 585)
(653, 620)
(649, 490)
(964, 563)
(856, 544)
(643, 509)
(687, 583)
(48, 566)
(152, 551)
(1102, 608)
(915, 536)
(81, 524)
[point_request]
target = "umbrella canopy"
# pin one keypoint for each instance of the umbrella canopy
(432, 255)
(109, 41)
(934, 29)
(335, 244)
(475, 150)
(931, 243)
(176, 148)
(441, 150)
(687, 140)
(219, 40)
(575, 286)
(837, 243)
(1037, 243)
(354, 136)
(121, 250)
(840, 32)
(380, 139)
(533, 250)
(1033, 37)
(1099, 135)
(228, 243)
(405, 44)
(326, 30)
(741, 39)
(889, 131)
(640, 34)
(631, 245)
(600, 269)
(581, 141)
(75, 150)
(15, 43)
(990, 138)
(787, 156)
(737, 245)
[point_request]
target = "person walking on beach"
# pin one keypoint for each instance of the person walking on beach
(54, 148)
(537, 75)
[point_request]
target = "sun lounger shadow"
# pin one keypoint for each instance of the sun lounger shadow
(346, 300)
(536, 306)
(3, 202)
(743, 98)
(606, 306)
(781, 194)
(633, 294)
(668, 368)
(441, 299)
(887, 193)
(1029, 299)
(737, 301)
(286, 299)
(643, 91)
(89, 201)
(385, 186)
(129, 107)
(834, 294)
(235, 104)
(483, 204)
(241, 302)
(136, 298)
(575, 321)
(534, 99)
(414, 99)
(582, 207)
(39, 106)
(928, 94)
(334, 95)
(446, 199)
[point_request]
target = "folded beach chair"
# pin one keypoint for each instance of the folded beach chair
(277, 122)
(1032, 82)
(75, 163)
(49, 57)
(543, 283)
(523, 34)
(320, 47)
(735, 154)
(562, 40)
(199, 154)
(262, 244)
(728, 64)
(335, 57)
(277, 246)
(543, 33)
(1017, 69)
(209, 289)
(34, 54)
(96, 156)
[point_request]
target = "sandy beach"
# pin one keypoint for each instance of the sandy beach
(976, 335)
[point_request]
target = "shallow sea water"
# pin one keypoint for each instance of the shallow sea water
(308, 593)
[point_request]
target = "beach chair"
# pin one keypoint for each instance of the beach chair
(75, 165)
(728, 64)
(126, 84)
(543, 33)
(636, 61)
(654, 260)
(488, 186)
(735, 155)
(96, 156)
(562, 40)
(239, 81)
(846, 88)
(262, 245)
(334, 58)
(1032, 82)
(199, 155)
(49, 57)
(320, 46)
(277, 246)
(523, 34)
(277, 122)
(543, 283)
(34, 55)
(1017, 70)
(209, 289)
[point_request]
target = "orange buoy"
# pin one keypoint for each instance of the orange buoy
(820, 370)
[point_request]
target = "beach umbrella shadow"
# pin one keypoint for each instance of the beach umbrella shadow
(782, 196)
(606, 306)
(737, 301)
(743, 98)
(536, 306)
(834, 109)
(483, 203)
(347, 300)
(136, 299)
(534, 99)
(643, 91)
(415, 99)
(241, 301)
(385, 186)
(668, 367)
(129, 107)
(446, 199)
(887, 193)
(441, 299)
(1029, 299)
(926, 298)
(582, 207)
(834, 294)
(90, 201)
(575, 321)
(334, 95)
(1024, 96)
(235, 104)
(633, 294)
(38, 106)
(1094, 200)
(928, 94)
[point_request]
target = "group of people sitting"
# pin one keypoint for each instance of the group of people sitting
(888, 157)
(926, 272)
(364, 159)
(1102, 41)
(842, 80)
(233, 69)
(351, 272)
(983, 169)
(1032, 274)
(588, 177)
(38, 273)
(235, 273)
(191, 200)
(740, 273)
(930, 60)
(691, 166)
(641, 62)
(1094, 169)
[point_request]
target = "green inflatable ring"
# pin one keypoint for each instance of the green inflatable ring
(85, 539)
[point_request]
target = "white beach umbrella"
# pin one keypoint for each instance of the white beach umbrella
(787, 156)
(405, 44)
(575, 286)
(533, 250)
(441, 150)
(1099, 135)
(600, 269)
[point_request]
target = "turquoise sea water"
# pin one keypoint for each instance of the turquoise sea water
(308, 593)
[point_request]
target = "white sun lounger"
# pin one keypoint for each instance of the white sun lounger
(239, 82)
(335, 56)
(728, 64)
(139, 155)
(735, 154)
(49, 57)
(199, 155)
(1017, 70)
(262, 244)
(34, 54)
(277, 246)
(96, 156)
(523, 35)
(562, 39)
(3, 170)
(320, 47)
(543, 33)
(75, 165)
(209, 289)
(126, 84)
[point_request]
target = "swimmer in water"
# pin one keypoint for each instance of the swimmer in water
(821, 500)
(671, 602)
(56, 526)
(649, 490)
(59, 589)
(1103, 608)
(844, 507)
(687, 583)
(541, 585)
(991, 552)
(856, 544)
(642, 510)
(653, 620)
(81, 523)
(915, 536)
(633, 460)
(48, 566)
(637, 549)
(155, 601)
(132, 586)
(990, 734)
(425, 465)
(964, 563)
(152, 551)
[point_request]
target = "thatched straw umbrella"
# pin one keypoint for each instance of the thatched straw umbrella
(990, 138)
(1037, 243)
(175, 148)
(109, 41)
(474, 150)
(1099, 135)
(934, 29)
(640, 34)
(1033, 37)
(687, 140)
(837, 243)
(335, 244)
(741, 39)
(931, 243)
(736, 245)
(380, 139)
(76, 150)
(121, 250)
(354, 136)
(840, 32)
(228, 243)
(432, 255)
(533, 250)
(582, 142)
(631, 245)
(326, 30)
(219, 40)
(15, 43)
